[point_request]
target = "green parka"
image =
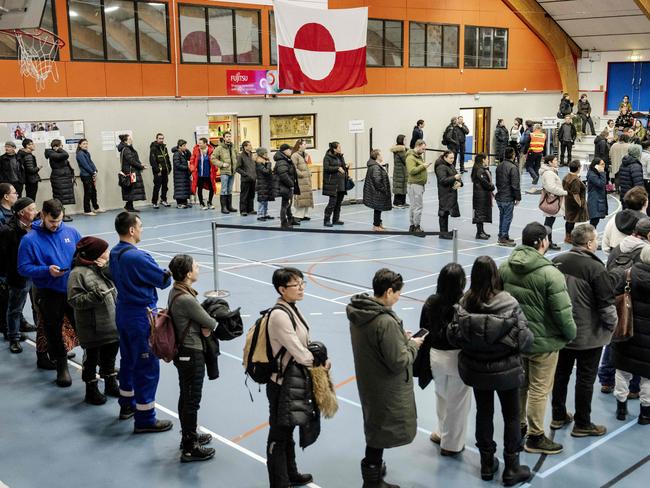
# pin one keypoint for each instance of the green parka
(383, 361)
(541, 290)
(415, 168)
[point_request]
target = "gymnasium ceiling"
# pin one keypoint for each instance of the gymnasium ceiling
(602, 25)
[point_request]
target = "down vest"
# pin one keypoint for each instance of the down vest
(130, 163)
(491, 341)
(376, 188)
(62, 176)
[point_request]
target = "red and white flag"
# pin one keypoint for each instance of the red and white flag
(320, 50)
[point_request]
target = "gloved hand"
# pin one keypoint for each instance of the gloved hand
(319, 351)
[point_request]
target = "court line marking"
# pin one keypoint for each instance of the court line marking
(627, 472)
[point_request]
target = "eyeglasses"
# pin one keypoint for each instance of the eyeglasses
(300, 284)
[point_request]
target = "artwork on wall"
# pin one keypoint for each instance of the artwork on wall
(286, 129)
(250, 129)
(43, 132)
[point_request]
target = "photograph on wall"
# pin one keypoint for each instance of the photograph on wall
(286, 129)
(44, 132)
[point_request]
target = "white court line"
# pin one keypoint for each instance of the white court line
(2, 485)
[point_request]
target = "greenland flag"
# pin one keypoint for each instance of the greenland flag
(320, 50)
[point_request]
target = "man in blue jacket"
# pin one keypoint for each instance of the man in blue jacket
(45, 256)
(136, 276)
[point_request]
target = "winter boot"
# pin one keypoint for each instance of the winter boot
(276, 464)
(295, 478)
(111, 386)
(480, 232)
(93, 395)
(224, 204)
(229, 204)
(62, 374)
(202, 439)
(644, 416)
(489, 464)
(514, 473)
(336, 218)
(43, 361)
(621, 410)
(372, 476)
(444, 228)
(193, 451)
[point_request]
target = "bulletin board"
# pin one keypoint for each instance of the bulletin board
(286, 129)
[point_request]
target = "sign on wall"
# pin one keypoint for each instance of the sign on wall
(253, 82)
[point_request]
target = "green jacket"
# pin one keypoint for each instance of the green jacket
(225, 158)
(415, 168)
(383, 362)
(541, 290)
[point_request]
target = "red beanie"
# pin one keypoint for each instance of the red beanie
(90, 248)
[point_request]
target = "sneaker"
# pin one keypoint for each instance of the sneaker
(67, 218)
(502, 241)
(204, 207)
(558, 424)
(126, 412)
(269, 217)
(262, 219)
(165, 204)
(211, 207)
(591, 430)
(181, 206)
(540, 444)
(15, 347)
(197, 453)
(554, 247)
(435, 438)
(99, 210)
(607, 389)
(158, 426)
(90, 214)
(155, 205)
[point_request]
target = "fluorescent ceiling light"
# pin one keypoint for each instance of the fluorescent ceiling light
(112, 8)
(73, 13)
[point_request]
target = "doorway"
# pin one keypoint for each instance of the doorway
(477, 120)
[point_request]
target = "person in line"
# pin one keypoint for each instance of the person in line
(482, 195)
(304, 202)
(616, 154)
(449, 136)
(418, 133)
(264, 183)
(461, 131)
(30, 168)
(131, 168)
(453, 397)
(399, 172)
(182, 172)
(501, 140)
(161, 166)
(630, 173)
(508, 186)
(584, 112)
(516, 132)
(416, 169)
(566, 134)
(597, 206)
(288, 331)
(525, 146)
(11, 171)
(541, 290)
(45, 256)
(245, 167)
(288, 184)
(383, 362)
(492, 332)
(535, 152)
(17, 286)
(622, 225)
(225, 158)
(449, 182)
(566, 106)
(592, 296)
(136, 276)
(8, 198)
(91, 294)
(575, 202)
(62, 175)
(204, 174)
(601, 148)
(335, 174)
(376, 189)
(552, 185)
(88, 175)
(191, 324)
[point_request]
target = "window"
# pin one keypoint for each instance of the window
(219, 35)
(286, 129)
(272, 39)
(118, 30)
(433, 45)
(486, 47)
(8, 44)
(384, 43)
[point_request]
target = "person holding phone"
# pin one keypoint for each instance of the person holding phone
(383, 362)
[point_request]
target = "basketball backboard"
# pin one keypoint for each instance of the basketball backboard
(21, 14)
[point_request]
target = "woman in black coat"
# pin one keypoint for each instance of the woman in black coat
(335, 172)
(492, 332)
(596, 191)
(130, 164)
(449, 181)
(62, 176)
(601, 148)
(501, 139)
(264, 183)
(288, 184)
(482, 196)
(376, 189)
(182, 174)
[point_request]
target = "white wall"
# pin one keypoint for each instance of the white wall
(387, 115)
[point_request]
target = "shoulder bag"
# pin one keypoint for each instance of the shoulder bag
(549, 204)
(624, 328)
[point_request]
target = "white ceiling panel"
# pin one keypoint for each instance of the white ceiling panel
(576, 28)
(613, 43)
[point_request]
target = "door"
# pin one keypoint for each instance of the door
(482, 125)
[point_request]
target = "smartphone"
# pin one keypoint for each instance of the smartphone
(63, 270)
(420, 333)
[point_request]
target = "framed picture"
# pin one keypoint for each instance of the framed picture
(250, 129)
(286, 129)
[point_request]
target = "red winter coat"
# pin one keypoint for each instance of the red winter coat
(194, 169)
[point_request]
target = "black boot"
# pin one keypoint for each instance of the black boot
(336, 218)
(373, 477)
(276, 464)
(644, 416)
(514, 473)
(202, 439)
(43, 361)
(111, 386)
(621, 410)
(62, 374)
(480, 232)
(224, 204)
(295, 478)
(193, 451)
(93, 395)
(444, 228)
(229, 204)
(489, 464)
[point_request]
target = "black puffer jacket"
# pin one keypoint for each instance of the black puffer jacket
(10, 236)
(62, 176)
(376, 187)
(333, 180)
(182, 174)
(287, 176)
(11, 171)
(501, 138)
(601, 148)
(130, 163)
(264, 182)
(507, 182)
(159, 159)
(296, 405)
(566, 107)
(491, 341)
(30, 166)
(447, 195)
(629, 175)
(482, 195)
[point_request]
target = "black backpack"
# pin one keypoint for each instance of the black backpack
(619, 262)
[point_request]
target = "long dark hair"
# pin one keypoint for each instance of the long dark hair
(486, 283)
(594, 162)
(400, 139)
(79, 144)
(451, 284)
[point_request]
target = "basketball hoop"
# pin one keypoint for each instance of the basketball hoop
(38, 51)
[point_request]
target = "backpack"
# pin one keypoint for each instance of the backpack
(162, 339)
(620, 263)
(445, 137)
(259, 362)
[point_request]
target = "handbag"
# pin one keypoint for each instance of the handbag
(349, 184)
(549, 204)
(125, 180)
(624, 328)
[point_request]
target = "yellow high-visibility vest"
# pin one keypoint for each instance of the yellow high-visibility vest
(537, 142)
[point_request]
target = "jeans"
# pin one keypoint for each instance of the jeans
(533, 163)
(102, 356)
(263, 208)
(607, 372)
(539, 372)
(190, 364)
(506, 211)
(334, 207)
(204, 181)
(416, 197)
(586, 361)
(247, 195)
(15, 305)
(226, 184)
(376, 218)
(549, 221)
(160, 184)
(565, 146)
(460, 156)
(31, 189)
(509, 400)
(90, 194)
(623, 379)
(53, 306)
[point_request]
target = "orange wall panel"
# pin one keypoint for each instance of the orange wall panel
(158, 80)
(193, 79)
(11, 81)
(123, 80)
(86, 79)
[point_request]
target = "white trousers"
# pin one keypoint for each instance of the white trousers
(453, 399)
(622, 387)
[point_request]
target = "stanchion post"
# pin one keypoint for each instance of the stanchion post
(216, 293)
(455, 246)
(356, 166)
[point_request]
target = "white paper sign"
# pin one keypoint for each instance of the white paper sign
(356, 126)
(108, 140)
(78, 126)
(549, 123)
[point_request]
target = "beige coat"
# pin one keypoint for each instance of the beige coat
(616, 154)
(306, 197)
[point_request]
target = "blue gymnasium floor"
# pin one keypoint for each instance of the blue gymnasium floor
(49, 437)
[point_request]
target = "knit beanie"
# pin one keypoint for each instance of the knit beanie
(261, 151)
(634, 150)
(90, 248)
(21, 204)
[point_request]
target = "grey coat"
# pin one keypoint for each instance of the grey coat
(186, 311)
(91, 293)
(399, 169)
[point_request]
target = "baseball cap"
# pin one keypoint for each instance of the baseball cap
(534, 233)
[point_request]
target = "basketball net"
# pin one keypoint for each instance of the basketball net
(38, 50)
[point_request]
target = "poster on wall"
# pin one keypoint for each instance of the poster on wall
(253, 82)
(286, 129)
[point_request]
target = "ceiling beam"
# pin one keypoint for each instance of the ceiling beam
(644, 5)
(564, 49)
